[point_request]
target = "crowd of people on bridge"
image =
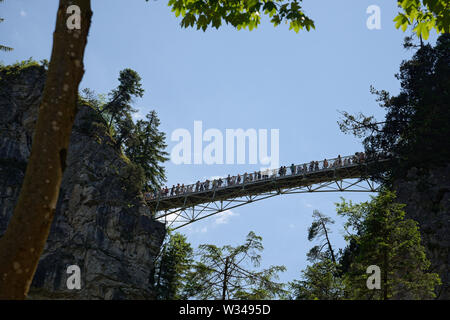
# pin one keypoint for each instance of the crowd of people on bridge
(302, 169)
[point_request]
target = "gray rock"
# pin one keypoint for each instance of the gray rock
(427, 199)
(98, 225)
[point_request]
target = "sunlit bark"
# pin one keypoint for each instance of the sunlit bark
(22, 244)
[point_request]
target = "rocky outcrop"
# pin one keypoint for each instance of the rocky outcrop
(427, 199)
(100, 224)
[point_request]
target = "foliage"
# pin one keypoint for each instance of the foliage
(377, 233)
(386, 239)
(145, 146)
(17, 67)
(133, 178)
(320, 281)
(92, 99)
(417, 122)
(12, 70)
(240, 13)
(424, 15)
(221, 273)
(171, 268)
(141, 142)
(319, 230)
(119, 107)
(124, 129)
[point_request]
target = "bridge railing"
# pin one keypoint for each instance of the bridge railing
(258, 176)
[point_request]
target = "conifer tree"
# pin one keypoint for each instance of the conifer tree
(386, 239)
(240, 14)
(319, 229)
(321, 280)
(171, 268)
(221, 273)
(417, 121)
(147, 149)
(119, 107)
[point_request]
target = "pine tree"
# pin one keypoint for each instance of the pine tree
(321, 280)
(319, 230)
(125, 129)
(221, 273)
(146, 148)
(171, 268)
(386, 239)
(119, 107)
(417, 121)
(141, 142)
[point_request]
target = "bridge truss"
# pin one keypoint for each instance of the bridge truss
(180, 210)
(183, 216)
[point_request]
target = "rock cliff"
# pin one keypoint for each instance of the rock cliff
(427, 199)
(101, 223)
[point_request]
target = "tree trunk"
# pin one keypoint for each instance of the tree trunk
(27, 232)
(385, 272)
(225, 280)
(333, 258)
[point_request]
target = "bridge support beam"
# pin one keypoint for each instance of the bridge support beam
(184, 215)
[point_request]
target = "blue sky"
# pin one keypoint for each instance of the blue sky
(269, 78)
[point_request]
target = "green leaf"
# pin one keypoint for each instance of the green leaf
(401, 21)
(422, 30)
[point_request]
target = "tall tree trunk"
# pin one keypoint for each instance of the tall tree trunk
(27, 232)
(386, 274)
(333, 258)
(225, 280)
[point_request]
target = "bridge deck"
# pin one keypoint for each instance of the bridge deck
(274, 183)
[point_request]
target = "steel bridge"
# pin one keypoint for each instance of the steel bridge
(194, 202)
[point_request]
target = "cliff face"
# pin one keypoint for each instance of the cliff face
(427, 199)
(100, 224)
